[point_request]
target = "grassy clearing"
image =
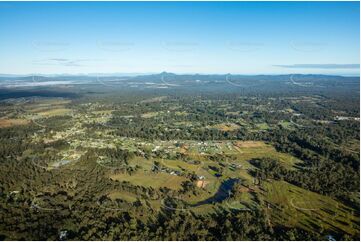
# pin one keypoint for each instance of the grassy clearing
(243, 152)
(154, 99)
(145, 164)
(49, 101)
(256, 149)
(286, 124)
(242, 122)
(183, 113)
(55, 101)
(149, 115)
(354, 145)
(244, 201)
(44, 108)
(249, 144)
(296, 207)
(55, 112)
(289, 110)
(103, 112)
(155, 180)
(262, 126)
(232, 113)
(5, 123)
(127, 196)
(179, 165)
(185, 123)
(226, 127)
(38, 105)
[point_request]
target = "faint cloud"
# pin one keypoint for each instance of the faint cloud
(244, 46)
(307, 46)
(58, 59)
(115, 46)
(64, 62)
(179, 46)
(180, 66)
(50, 46)
(321, 66)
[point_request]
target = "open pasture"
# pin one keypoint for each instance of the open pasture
(155, 180)
(296, 207)
(5, 123)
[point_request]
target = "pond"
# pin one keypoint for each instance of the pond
(221, 194)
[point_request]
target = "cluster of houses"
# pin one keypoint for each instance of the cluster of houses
(156, 168)
(203, 147)
(234, 166)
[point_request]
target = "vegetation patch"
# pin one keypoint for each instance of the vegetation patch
(226, 126)
(5, 123)
(155, 180)
(296, 207)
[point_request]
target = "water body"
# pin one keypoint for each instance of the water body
(221, 194)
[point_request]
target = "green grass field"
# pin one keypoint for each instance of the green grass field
(286, 124)
(296, 207)
(286, 204)
(127, 196)
(155, 180)
(262, 126)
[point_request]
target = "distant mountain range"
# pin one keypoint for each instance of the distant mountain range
(2, 75)
(171, 80)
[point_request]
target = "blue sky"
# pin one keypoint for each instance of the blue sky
(180, 37)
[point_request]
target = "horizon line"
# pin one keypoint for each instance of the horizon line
(166, 72)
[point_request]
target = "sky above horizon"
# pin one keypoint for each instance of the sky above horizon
(180, 37)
